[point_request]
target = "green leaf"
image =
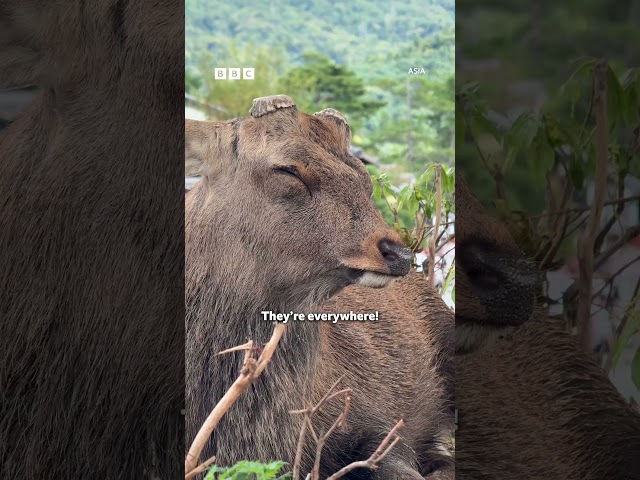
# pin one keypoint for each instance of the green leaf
(583, 68)
(482, 124)
(555, 136)
(521, 134)
(616, 104)
(542, 158)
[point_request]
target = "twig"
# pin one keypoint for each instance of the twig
(307, 425)
(436, 228)
(251, 369)
(630, 233)
(200, 468)
(619, 209)
(586, 247)
(299, 448)
(631, 198)
(339, 421)
(611, 278)
(376, 457)
(246, 346)
(560, 225)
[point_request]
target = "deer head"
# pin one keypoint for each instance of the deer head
(282, 198)
(495, 283)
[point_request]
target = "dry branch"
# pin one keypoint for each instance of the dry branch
(376, 457)
(319, 439)
(585, 255)
(434, 234)
(200, 468)
(372, 462)
(251, 369)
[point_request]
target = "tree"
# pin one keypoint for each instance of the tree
(320, 82)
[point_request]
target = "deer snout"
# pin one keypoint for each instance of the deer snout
(377, 261)
(504, 282)
(396, 256)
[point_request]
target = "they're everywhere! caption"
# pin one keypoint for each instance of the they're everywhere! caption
(323, 317)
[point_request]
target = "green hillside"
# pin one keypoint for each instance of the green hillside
(353, 33)
(354, 57)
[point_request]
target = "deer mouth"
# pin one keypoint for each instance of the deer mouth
(369, 278)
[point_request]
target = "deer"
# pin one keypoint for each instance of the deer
(531, 403)
(282, 221)
(91, 245)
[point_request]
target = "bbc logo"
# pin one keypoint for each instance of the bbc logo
(234, 73)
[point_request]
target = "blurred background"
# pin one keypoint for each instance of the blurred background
(525, 140)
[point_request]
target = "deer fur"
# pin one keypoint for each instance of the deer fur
(91, 245)
(260, 239)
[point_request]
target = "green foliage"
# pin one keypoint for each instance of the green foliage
(411, 208)
(246, 470)
(353, 57)
(419, 128)
(233, 98)
(321, 82)
(536, 39)
(353, 33)
(529, 146)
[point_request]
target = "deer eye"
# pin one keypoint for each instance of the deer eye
(293, 172)
(289, 170)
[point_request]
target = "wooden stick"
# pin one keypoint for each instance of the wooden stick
(436, 227)
(585, 250)
(251, 369)
(200, 468)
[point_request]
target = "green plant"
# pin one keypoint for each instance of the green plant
(247, 470)
(410, 209)
(536, 163)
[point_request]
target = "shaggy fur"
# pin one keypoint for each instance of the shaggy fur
(258, 239)
(91, 333)
(530, 403)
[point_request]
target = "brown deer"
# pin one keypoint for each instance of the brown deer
(530, 403)
(282, 221)
(91, 241)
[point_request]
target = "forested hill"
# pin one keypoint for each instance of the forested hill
(357, 56)
(352, 33)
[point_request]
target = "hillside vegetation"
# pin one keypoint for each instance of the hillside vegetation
(359, 33)
(354, 57)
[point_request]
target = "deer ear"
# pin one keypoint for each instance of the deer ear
(339, 119)
(197, 146)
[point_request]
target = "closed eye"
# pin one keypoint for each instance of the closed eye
(292, 171)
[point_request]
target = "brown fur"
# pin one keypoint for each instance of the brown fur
(259, 240)
(530, 403)
(411, 349)
(90, 253)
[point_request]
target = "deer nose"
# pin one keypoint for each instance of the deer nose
(397, 257)
(504, 282)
